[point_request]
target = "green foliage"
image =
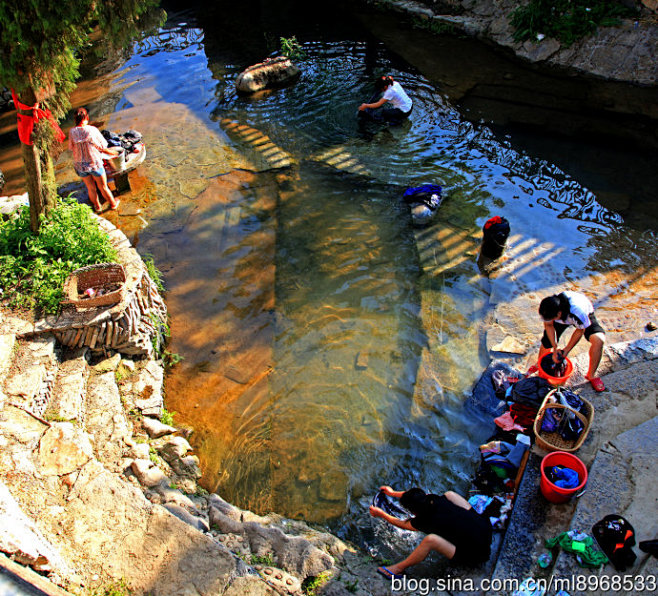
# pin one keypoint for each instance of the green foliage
(154, 272)
(262, 560)
(311, 584)
(153, 456)
(167, 417)
(565, 20)
(120, 588)
(291, 48)
(171, 358)
(33, 268)
(434, 26)
(161, 335)
(352, 587)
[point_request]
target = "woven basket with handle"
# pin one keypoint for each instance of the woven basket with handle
(554, 441)
(99, 277)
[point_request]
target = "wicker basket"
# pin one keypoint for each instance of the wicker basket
(97, 277)
(554, 441)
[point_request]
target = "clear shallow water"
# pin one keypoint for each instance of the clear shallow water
(303, 301)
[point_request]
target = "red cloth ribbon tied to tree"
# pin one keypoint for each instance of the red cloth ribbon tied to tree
(26, 122)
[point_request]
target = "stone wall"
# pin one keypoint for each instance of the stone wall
(623, 53)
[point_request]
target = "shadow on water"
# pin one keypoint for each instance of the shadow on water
(328, 344)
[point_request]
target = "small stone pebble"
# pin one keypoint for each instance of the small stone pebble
(278, 576)
(651, 326)
(268, 571)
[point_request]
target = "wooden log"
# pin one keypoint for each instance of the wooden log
(94, 337)
(109, 333)
(76, 339)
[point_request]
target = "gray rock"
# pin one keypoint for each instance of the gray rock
(184, 515)
(175, 497)
(148, 474)
(21, 539)
(63, 449)
(230, 511)
(108, 364)
(224, 523)
(294, 553)
(187, 466)
(270, 73)
(157, 429)
(140, 451)
(174, 448)
(146, 389)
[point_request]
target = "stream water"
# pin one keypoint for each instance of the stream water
(299, 297)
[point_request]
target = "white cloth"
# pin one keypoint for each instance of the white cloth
(397, 96)
(581, 307)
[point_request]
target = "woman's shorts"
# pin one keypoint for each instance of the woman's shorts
(594, 327)
(97, 173)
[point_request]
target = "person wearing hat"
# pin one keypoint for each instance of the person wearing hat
(454, 529)
(566, 309)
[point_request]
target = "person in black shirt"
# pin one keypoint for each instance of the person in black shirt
(454, 529)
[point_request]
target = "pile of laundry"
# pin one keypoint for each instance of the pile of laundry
(130, 141)
(563, 420)
(513, 400)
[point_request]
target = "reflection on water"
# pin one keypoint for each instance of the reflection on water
(328, 344)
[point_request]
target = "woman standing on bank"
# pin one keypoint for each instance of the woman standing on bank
(88, 146)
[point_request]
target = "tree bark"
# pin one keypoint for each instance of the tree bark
(38, 183)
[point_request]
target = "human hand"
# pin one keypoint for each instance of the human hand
(362, 107)
(387, 490)
(376, 511)
(558, 356)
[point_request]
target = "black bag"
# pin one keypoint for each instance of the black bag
(616, 537)
(494, 236)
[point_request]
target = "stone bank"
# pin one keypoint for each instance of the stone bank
(96, 490)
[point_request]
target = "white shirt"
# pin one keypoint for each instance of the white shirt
(397, 96)
(580, 307)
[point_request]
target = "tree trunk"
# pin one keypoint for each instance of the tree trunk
(39, 174)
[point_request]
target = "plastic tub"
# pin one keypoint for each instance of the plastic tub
(555, 380)
(552, 492)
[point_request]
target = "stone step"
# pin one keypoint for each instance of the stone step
(106, 421)
(31, 374)
(629, 463)
(69, 389)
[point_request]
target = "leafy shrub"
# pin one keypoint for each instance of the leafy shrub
(291, 48)
(33, 268)
(565, 20)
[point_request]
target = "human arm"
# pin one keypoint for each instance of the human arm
(378, 104)
(404, 524)
(387, 490)
(573, 340)
(551, 334)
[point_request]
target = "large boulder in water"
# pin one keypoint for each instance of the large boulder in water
(273, 72)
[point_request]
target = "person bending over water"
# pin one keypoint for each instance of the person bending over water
(561, 311)
(88, 146)
(454, 529)
(390, 91)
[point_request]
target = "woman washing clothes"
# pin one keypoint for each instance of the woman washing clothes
(88, 146)
(560, 311)
(454, 529)
(388, 90)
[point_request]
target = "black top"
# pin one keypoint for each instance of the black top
(469, 531)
